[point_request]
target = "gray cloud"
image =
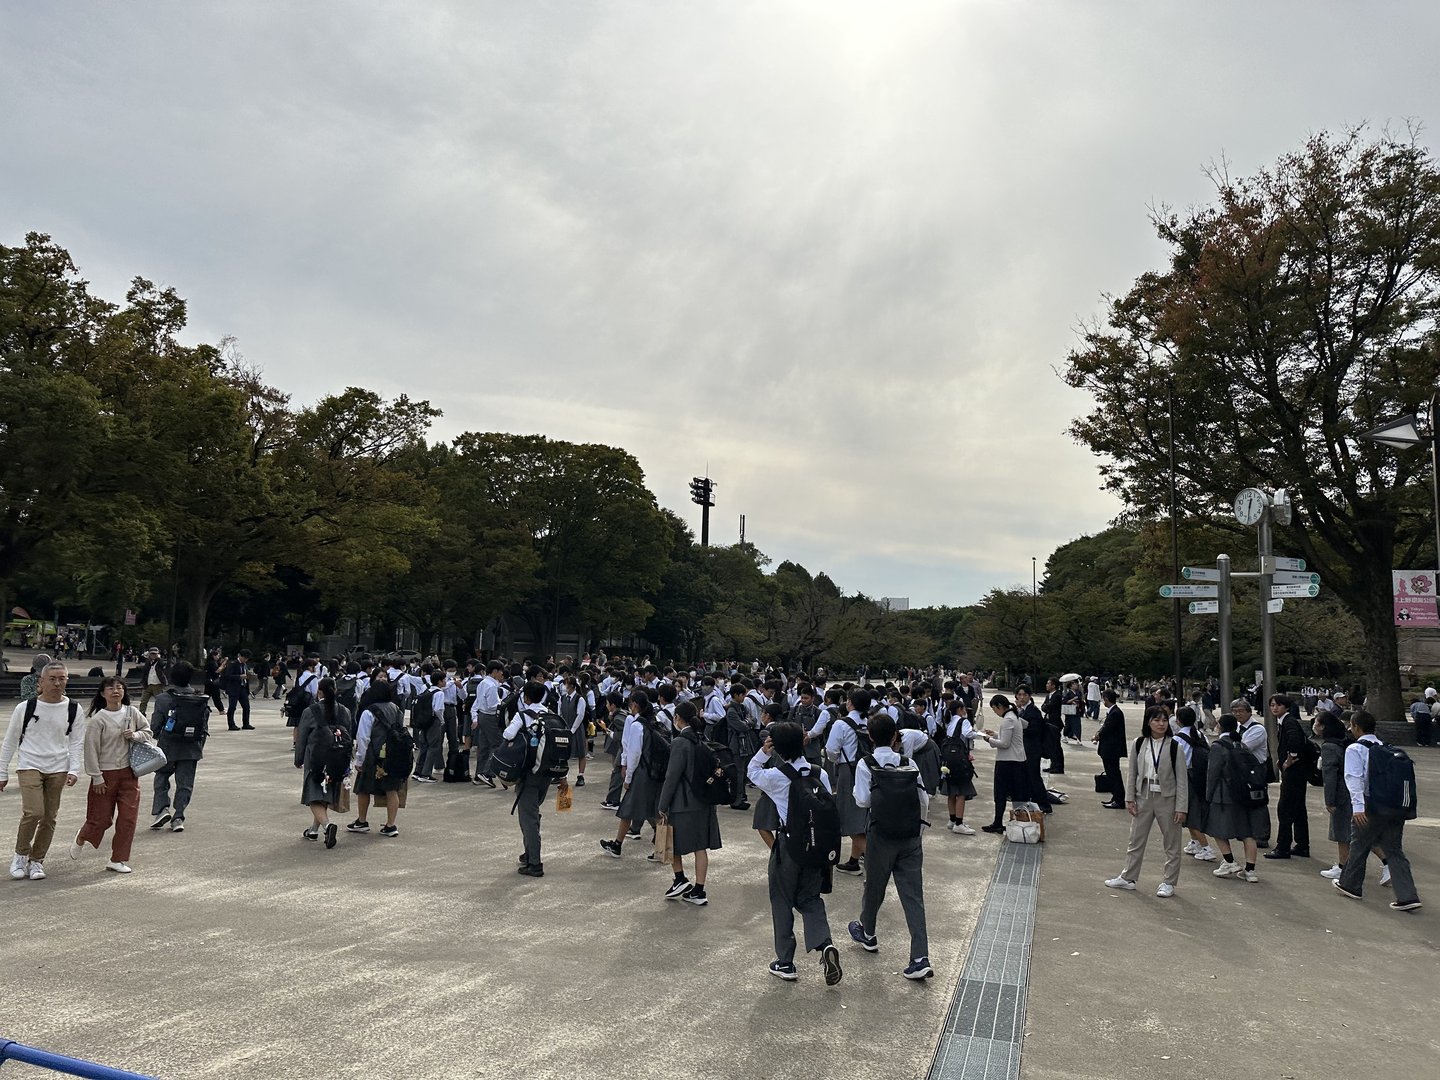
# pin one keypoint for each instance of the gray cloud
(833, 250)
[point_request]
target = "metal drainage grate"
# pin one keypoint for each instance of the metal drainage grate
(986, 1021)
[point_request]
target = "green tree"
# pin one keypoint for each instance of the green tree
(1294, 314)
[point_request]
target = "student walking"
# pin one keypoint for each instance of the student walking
(695, 823)
(533, 785)
(640, 791)
(180, 724)
(112, 727)
(889, 785)
(848, 742)
(796, 883)
(47, 745)
(1382, 799)
(1159, 794)
(384, 756)
(324, 749)
(1231, 817)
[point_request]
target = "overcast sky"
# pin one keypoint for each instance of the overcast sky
(835, 251)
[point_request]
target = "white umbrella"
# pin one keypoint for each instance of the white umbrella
(1070, 678)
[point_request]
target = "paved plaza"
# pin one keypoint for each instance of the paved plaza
(238, 949)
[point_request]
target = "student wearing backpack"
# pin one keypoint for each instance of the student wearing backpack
(531, 717)
(850, 741)
(46, 739)
(958, 782)
(694, 821)
(180, 723)
(739, 734)
(1252, 734)
(323, 749)
(797, 873)
(1232, 813)
(384, 757)
(427, 727)
(1381, 783)
(639, 790)
(1159, 794)
(888, 784)
(1196, 749)
(301, 695)
(1296, 755)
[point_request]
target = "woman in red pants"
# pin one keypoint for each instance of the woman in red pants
(112, 726)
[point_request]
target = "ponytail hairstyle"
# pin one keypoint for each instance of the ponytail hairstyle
(641, 700)
(1001, 702)
(325, 694)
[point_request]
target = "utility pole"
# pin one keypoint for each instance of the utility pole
(1227, 674)
(1174, 547)
(742, 528)
(702, 494)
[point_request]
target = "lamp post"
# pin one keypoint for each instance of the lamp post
(1408, 431)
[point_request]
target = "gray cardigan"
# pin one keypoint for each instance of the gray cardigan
(677, 794)
(1009, 741)
(1174, 778)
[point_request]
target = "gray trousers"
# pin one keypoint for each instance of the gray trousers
(487, 741)
(453, 734)
(1384, 831)
(795, 888)
(184, 773)
(1151, 809)
(527, 807)
(903, 860)
(617, 784)
(429, 748)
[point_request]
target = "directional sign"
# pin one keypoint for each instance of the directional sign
(1177, 591)
(1271, 563)
(1204, 607)
(1296, 592)
(1276, 606)
(1199, 573)
(1292, 577)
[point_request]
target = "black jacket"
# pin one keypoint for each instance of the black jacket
(1035, 734)
(1111, 741)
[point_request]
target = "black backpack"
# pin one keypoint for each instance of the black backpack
(297, 700)
(867, 744)
(391, 751)
(31, 704)
(909, 721)
(1248, 777)
(551, 742)
(894, 798)
(715, 777)
(1199, 759)
(187, 719)
(331, 749)
(655, 751)
(346, 692)
(812, 831)
(1390, 781)
(422, 711)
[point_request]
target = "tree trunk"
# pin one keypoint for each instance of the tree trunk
(1376, 615)
(197, 606)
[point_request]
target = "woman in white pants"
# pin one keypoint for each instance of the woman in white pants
(1159, 793)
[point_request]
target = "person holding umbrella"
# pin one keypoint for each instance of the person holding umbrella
(1072, 706)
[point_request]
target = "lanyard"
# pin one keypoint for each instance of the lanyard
(1155, 754)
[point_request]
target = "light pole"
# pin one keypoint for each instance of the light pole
(1410, 430)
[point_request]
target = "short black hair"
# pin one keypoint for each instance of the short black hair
(882, 729)
(788, 738)
(181, 673)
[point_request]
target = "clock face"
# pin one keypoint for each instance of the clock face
(1250, 506)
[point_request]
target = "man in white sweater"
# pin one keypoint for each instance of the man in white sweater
(48, 733)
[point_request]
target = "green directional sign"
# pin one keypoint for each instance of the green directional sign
(1293, 577)
(1204, 592)
(1296, 591)
(1199, 573)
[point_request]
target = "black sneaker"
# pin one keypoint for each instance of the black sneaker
(389, 830)
(830, 964)
(609, 806)
(358, 826)
(868, 942)
(331, 832)
(481, 778)
(311, 833)
(530, 871)
(696, 896)
(579, 781)
(611, 848)
(678, 889)
(740, 806)
(783, 971)
(851, 867)
(992, 828)
(632, 836)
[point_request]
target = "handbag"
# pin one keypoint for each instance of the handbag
(146, 758)
(1022, 832)
(1103, 785)
(1028, 815)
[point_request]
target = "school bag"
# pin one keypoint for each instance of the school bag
(550, 741)
(297, 700)
(894, 798)
(909, 720)
(509, 759)
(927, 760)
(422, 712)
(1199, 759)
(404, 695)
(655, 751)
(331, 749)
(187, 719)
(715, 777)
(1390, 784)
(391, 750)
(347, 692)
(457, 767)
(955, 757)
(867, 744)
(31, 704)
(1249, 785)
(812, 833)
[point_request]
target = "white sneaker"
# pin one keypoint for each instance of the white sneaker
(37, 871)
(1120, 883)
(19, 867)
(1206, 854)
(1165, 891)
(1385, 876)
(1248, 875)
(964, 830)
(1192, 847)
(1225, 869)
(77, 849)
(118, 867)
(1333, 873)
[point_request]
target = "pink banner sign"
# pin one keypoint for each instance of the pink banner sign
(1414, 594)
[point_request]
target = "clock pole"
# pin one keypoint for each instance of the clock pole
(1227, 674)
(1267, 625)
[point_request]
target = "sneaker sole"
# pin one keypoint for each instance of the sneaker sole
(1414, 905)
(696, 901)
(830, 960)
(612, 854)
(917, 976)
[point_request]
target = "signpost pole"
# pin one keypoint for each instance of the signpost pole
(1227, 681)
(1267, 626)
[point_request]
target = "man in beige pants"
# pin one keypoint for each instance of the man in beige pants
(1159, 794)
(48, 735)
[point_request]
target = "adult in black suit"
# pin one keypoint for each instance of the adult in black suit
(1110, 741)
(1034, 746)
(1054, 744)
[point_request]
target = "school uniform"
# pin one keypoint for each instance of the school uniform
(792, 887)
(1198, 816)
(640, 793)
(1254, 736)
(843, 749)
(739, 736)
(1229, 820)
(1110, 742)
(1160, 789)
(573, 709)
(532, 788)
(364, 764)
(887, 858)
(453, 734)
(695, 823)
(955, 785)
(486, 724)
(312, 788)
(429, 740)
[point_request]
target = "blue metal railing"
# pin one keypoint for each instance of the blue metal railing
(28, 1055)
